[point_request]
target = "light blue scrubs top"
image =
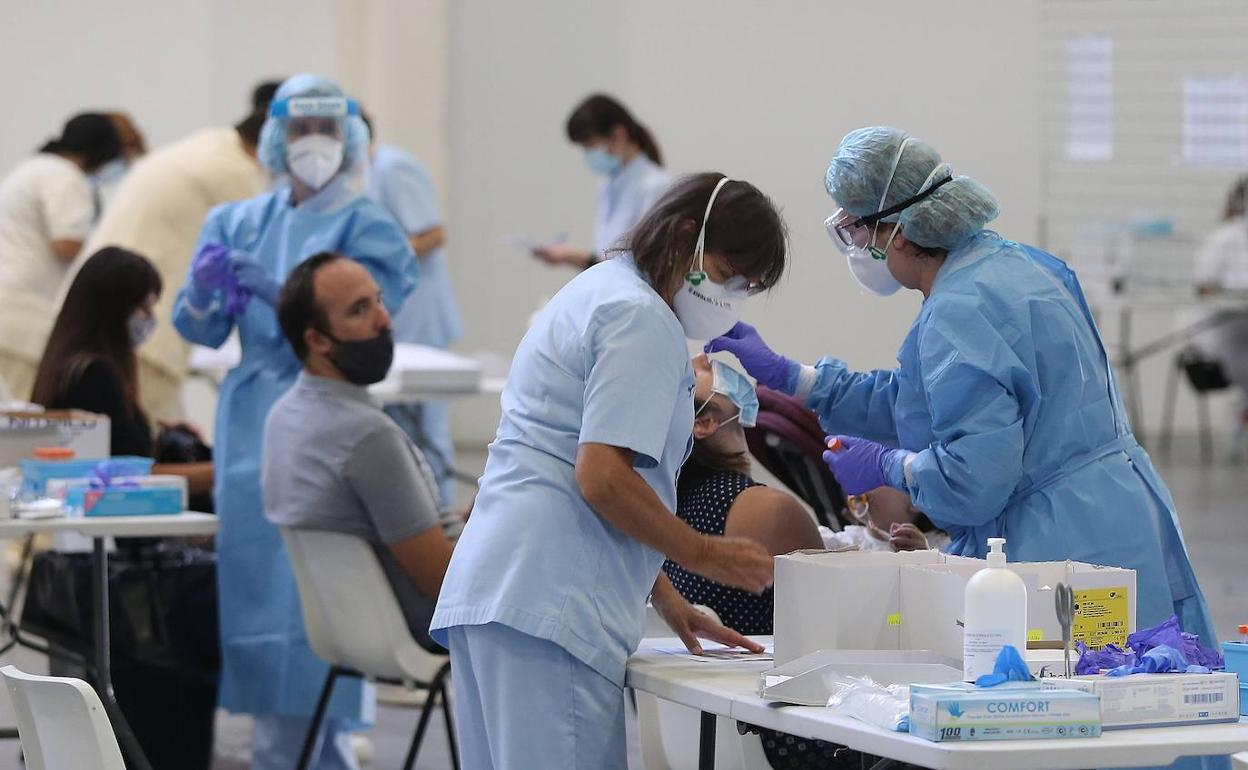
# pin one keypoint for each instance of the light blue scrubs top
(624, 197)
(604, 362)
(1006, 395)
(401, 185)
(267, 665)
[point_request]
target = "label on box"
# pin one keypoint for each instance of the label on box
(1101, 617)
(980, 650)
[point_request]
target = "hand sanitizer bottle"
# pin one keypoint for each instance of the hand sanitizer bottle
(995, 613)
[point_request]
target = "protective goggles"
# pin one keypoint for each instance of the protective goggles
(314, 107)
(852, 236)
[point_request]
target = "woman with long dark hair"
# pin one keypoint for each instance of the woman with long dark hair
(622, 150)
(90, 363)
(47, 207)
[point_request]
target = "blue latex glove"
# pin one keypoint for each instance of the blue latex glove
(861, 465)
(764, 364)
(255, 277)
(210, 272)
(1009, 667)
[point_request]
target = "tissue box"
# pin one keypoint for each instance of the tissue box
(1159, 700)
(127, 496)
(848, 600)
(1011, 711)
(21, 433)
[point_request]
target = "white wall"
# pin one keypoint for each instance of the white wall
(178, 65)
(759, 91)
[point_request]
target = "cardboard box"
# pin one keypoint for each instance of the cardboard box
(1159, 700)
(1012, 711)
(848, 600)
(856, 600)
(21, 433)
(932, 599)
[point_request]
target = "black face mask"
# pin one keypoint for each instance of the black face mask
(363, 362)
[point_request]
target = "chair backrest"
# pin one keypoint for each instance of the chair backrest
(349, 609)
(788, 441)
(62, 723)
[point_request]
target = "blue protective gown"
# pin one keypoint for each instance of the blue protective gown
(267, 666)
(1005, 393)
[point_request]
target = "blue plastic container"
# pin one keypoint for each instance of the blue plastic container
(1237, 661)
(36, 473)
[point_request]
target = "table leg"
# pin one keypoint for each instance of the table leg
(135, 757)
(706, 742)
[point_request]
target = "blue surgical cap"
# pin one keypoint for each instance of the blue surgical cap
(272, 148)
(859, 171)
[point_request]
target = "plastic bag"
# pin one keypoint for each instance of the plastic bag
(864, 699)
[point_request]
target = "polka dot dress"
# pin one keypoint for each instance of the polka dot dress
(703, 502)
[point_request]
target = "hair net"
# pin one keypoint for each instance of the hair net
(272, 147)
(859, 171)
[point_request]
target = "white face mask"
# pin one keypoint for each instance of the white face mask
(314, 159)
(704, 308)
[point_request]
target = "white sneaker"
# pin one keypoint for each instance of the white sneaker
(362, 748)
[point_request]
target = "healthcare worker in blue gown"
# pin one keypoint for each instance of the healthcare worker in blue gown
(314, 136)
(1003, 418)
(545, 595)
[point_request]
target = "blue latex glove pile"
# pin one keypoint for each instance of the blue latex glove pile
(1166, 635)
(1010, 667)
(1159, 660)
(861, 465)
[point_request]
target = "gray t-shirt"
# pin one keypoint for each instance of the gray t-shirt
(334, 461)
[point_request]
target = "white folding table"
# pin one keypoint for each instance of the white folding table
(731, 690)
(99, 529)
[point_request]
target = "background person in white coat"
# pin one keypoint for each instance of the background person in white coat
(1222, 265)
(47, 205)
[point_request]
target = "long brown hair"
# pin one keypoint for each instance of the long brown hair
(744, 226)
(598, 114)
(93, 324)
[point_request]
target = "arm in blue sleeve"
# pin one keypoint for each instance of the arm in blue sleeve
(974, 463)
(381, 246)
(197, 321)
(850, 403)
(408, 193)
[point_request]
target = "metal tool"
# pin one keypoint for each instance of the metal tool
(1065, 599)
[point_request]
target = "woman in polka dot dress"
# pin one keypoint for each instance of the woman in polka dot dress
(716, 496)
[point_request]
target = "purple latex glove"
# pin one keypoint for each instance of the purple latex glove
(1094, 661)
(764, 364)
(861, 465)
(210, 269)
(254, 277)
(1170, 634)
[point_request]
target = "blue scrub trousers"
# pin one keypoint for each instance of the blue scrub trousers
(277, 739)
(523, 703)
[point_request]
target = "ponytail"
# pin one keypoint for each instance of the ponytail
(598, 114)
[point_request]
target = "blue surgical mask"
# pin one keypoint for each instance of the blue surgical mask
(111, 172)
(140, 327)
(739, 390)
(601, 162)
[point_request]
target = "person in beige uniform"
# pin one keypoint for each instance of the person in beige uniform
(158, 211)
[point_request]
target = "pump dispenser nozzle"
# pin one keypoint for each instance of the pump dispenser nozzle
(996, 552)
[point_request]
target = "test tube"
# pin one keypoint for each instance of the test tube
(835, 445)
(1243, 633)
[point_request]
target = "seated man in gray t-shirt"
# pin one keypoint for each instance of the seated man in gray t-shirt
(332, 459)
